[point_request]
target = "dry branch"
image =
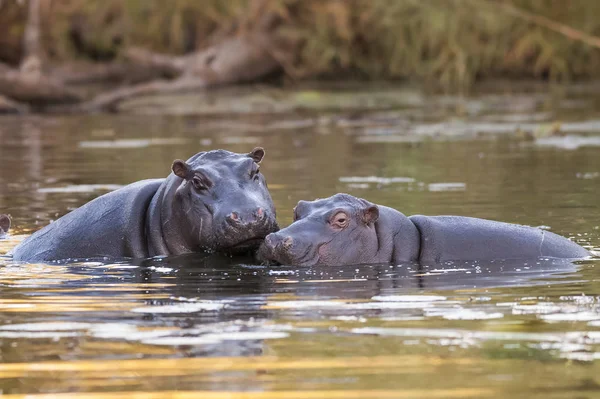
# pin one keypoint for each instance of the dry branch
(109, 101)
(565, 30)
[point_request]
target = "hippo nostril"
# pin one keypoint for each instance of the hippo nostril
(233, 217)
(270, 240)
(287, 242)
(274, 240)
(260, 213)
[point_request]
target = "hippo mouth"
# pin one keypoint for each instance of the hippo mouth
(275, 255)
(249, 244)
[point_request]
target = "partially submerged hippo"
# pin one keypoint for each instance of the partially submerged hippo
(343, 229)
(216, 201)
(4, 225)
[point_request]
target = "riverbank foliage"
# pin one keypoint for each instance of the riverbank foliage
(446, 43)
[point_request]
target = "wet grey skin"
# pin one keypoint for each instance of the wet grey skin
(4, 225)
(216, 201)
(345, 230)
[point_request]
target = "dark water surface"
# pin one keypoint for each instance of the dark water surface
(214, 327)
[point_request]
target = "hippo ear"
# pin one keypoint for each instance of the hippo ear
(257, 154)
(182, 169)
(370, 214)
(4, 223)
(298, 209)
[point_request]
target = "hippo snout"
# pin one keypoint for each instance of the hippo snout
(245, 229)
(287, 250)
(243, 219)
(279, 242)
(275, 248)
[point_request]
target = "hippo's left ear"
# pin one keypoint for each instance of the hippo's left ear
(257, 154)
(182, 169)
(370, 214)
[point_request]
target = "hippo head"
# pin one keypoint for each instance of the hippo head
(333, 231)
(4, 225)
(219, 202)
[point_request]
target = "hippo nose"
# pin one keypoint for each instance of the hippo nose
(278, 241)
(233, 218)
(259, 214)
(287, 242)
(236, 219)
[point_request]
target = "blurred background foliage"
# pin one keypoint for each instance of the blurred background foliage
(444, 43)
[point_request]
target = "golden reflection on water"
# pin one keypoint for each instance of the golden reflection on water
(272, 377)
(326, 349)
(328, 394)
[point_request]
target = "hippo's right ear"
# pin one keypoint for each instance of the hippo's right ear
(257, 154)
(182, 169)
(4, 223)
(370, 214)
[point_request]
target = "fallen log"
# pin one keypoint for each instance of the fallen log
(252, 54)
(36, 89)
(81, 73)
(110, 100)
(235, 60)
(11, 107)
(167, 65)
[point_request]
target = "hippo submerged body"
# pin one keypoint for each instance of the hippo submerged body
(216, 201)
(343, 229)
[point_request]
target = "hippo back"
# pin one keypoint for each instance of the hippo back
(111, 225)
(463, 238)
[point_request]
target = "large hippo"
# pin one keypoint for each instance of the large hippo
(4, 225)
(215, 201)
(343, 229)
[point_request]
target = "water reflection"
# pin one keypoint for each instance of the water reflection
(173, 312)
(207, 324)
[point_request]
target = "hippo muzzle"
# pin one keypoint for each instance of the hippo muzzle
(245, 230)
(286, 250)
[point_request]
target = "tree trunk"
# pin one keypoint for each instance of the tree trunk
(32, 60)
(31, 39)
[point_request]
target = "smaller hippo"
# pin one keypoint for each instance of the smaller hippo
(343, 229)
(4, 225)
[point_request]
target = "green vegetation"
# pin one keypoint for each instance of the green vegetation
(445, 43)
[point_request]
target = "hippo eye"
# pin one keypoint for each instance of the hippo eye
(340, 220)
(255, 174)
